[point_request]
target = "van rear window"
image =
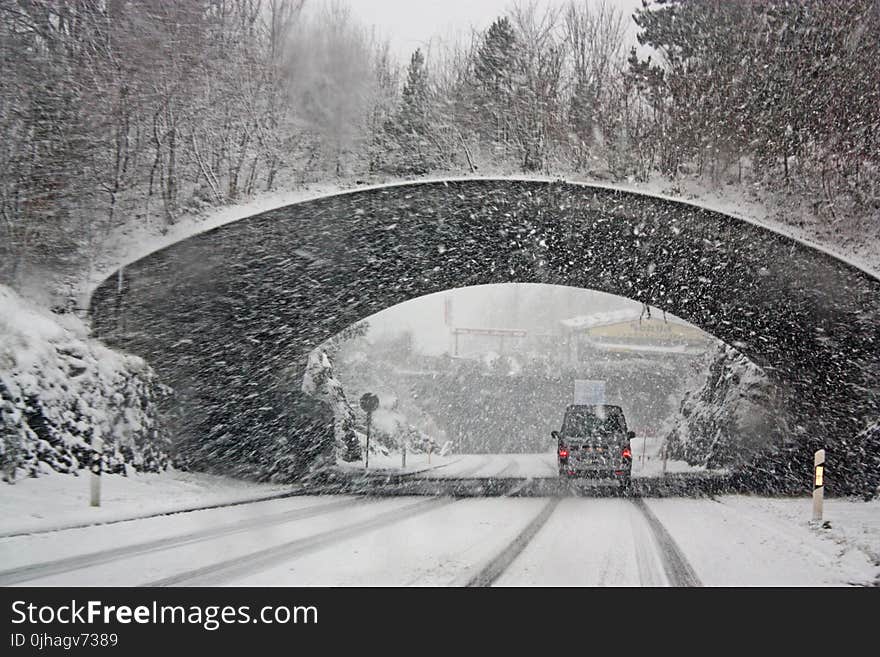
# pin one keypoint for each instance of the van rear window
(584, 423)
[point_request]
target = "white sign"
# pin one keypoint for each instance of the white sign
(589, 392)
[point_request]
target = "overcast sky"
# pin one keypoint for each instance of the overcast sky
(424, 316)
(410, 24)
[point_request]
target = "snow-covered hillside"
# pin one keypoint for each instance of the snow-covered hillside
(60, 390)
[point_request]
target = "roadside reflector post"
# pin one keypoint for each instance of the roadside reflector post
(95, 468)
(403, 456)
(818, 485)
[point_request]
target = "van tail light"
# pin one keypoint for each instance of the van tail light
(627, 453)
(563, 453)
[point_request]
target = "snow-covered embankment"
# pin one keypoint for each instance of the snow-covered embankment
(60, 390)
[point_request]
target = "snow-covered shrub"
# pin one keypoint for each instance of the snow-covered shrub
(59, 390)
(320, 383)
(734, 415)
(387, 429)
(391, 430)
(379, 444)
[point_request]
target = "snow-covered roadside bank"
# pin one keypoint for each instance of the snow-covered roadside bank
(62, 393)
(773, 541)
(851, 531)
(503, 466)
(58, 501)
(391, 465)
(852, 525)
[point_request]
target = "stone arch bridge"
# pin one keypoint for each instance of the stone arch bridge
(228, 317)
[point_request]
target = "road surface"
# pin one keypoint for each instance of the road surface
(351, 540)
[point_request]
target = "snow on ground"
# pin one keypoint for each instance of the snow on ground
(23, 550)
(589, 542)
(143, 569)
(648, 459)
(444, 547)
(453, 466)
(391, 464)
(854, 525)
(343, 541)
(497, 466)
(62, 500)
(757, 541)
(516, 466)
(586, 541)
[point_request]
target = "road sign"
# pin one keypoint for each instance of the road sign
(588, 391)
(369, 402)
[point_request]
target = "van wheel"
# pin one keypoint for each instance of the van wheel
(625, 483)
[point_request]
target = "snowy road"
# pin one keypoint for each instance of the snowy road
(350, 540)
(647, 462)
(488, 466)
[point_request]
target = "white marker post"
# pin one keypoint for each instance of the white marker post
(403, 456)
(818, 485)
(95, 467)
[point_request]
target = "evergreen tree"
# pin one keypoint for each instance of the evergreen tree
(416, 153)
(495, 81)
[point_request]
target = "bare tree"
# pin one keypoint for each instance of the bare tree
(594, 37)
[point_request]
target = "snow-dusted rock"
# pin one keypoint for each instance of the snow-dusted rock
(320, 383)
(733, 415)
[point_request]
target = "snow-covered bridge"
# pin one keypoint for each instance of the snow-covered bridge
(227, 317)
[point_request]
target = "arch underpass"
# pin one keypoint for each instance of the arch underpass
(228, 317)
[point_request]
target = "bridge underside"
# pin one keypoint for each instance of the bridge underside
(228, 317)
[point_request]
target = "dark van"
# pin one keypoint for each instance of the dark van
(594, 442)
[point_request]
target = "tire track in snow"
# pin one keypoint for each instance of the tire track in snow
(508, 470)
(78, 562)
(156, 514)
(496, 567)
(678, 571)
(217, 573)
(648, 561)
